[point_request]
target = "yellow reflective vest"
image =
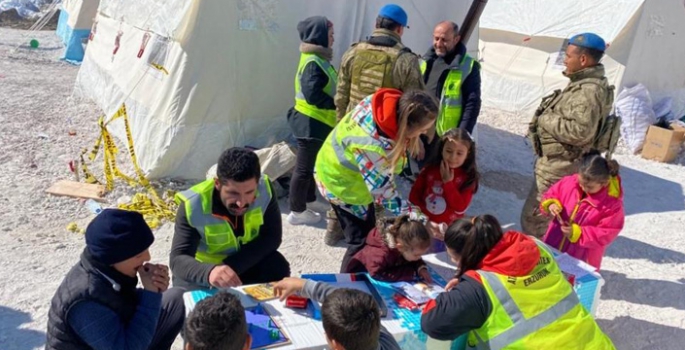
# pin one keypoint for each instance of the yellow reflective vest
(337, 166)
(217, 238)
(326, 116)
(537, 311)
(450, 112)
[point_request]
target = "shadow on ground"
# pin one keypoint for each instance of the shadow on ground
(12, 336)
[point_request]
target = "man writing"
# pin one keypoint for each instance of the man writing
(566, 124)
(228, 229)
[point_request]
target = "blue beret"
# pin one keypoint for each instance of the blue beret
(589, 41)
(395, 13)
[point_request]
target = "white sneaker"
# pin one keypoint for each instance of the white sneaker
(305, 217)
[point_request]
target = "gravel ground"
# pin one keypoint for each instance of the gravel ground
(642, 304)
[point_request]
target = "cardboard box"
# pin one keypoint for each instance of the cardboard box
(663, 145)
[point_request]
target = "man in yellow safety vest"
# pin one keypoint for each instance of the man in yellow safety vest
(452, 76)
(228, 229)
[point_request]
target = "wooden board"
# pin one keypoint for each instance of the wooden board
(77, 190)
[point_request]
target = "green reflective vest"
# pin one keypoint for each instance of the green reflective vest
(337, 166)
(326, 116)
(537, 311)
(449, 115)
(217, 238)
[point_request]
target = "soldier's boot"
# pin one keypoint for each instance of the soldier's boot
(334, 232)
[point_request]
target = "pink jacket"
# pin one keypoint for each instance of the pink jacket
(596, 219)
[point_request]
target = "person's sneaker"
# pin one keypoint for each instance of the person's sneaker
(303, 218)
(334, 232)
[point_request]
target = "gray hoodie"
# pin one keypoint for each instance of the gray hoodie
(314, 30)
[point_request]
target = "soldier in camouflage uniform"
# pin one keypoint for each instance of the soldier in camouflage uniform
(381, 61)
(566, 123)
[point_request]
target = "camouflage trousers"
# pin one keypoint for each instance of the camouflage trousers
(547, 173)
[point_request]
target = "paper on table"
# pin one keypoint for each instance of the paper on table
(573, 266)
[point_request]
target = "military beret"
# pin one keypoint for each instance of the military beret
(589, 41)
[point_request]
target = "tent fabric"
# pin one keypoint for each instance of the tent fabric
(560, 19)
(216, 74)
(73, 26)
(521, 45)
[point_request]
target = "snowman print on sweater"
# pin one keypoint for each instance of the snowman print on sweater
(435, 202)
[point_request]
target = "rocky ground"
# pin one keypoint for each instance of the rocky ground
(642, 304)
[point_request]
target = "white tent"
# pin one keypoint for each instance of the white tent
(216, 74)
(520, 42)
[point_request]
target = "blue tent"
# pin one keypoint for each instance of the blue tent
(74, 25)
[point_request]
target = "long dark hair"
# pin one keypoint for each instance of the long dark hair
(473, 239)
(469, 167)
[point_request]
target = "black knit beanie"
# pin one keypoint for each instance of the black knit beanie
(116, 235)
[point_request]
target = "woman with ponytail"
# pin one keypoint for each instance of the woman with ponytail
(508, 293)
(357, 163)
(588, 209)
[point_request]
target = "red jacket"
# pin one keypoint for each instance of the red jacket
(441, 202)
(382, 262)
(597, 221)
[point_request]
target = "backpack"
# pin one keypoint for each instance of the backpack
(372, 69)
(607, 135)
(609, 128)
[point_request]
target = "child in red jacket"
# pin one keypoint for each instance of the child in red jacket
(588, 209)
(394, 253)
(444, 188)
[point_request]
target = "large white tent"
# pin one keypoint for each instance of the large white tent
(520, 42)
(215, 74)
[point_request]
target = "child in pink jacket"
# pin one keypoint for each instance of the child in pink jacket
(587, 209)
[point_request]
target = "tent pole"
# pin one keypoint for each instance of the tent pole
(471, 20)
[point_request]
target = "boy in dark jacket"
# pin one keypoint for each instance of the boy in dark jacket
(98, 306)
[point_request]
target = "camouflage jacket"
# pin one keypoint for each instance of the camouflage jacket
(406, 73)
(568, 125)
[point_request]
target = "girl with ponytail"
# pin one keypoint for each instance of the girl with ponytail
(508, 293)
(588, 209)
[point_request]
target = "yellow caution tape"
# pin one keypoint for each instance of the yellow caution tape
(72, 227)
(148, 203)
(160, 68)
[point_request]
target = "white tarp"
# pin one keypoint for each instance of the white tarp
(224, 71)
(560, 18)
(520, 43)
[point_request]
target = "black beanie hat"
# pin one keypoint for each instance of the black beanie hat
(116, 235)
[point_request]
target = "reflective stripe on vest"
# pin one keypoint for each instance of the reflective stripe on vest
(336, 164)
(326, 116)
(563, 322)
(449, 115)
(218, 240)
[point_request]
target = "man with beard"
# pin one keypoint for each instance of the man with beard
(453, 77)
(228, 229)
